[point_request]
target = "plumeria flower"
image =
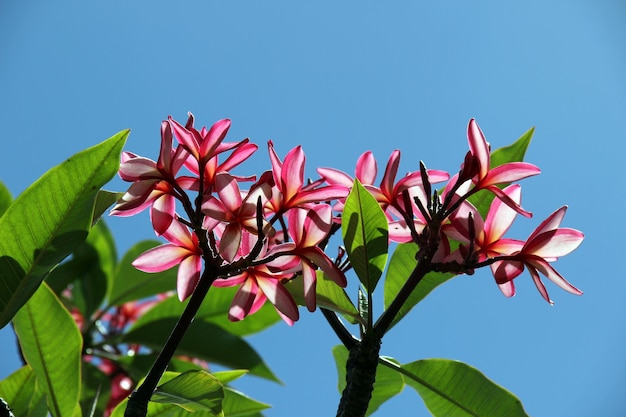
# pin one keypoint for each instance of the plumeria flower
(488, 234)
(205, 146)
(183, 250)
(289, 190)
(307, 228)
(153, 183)
(543, 246)
(237, 211)
(258, 284)
(487, 178)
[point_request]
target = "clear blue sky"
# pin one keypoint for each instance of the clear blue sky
(341, 78)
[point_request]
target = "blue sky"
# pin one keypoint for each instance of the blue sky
(341, 79)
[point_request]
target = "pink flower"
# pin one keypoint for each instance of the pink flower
(487, 177)
(544, 245)
(307, 228)
(257, 284)
(205, 146)
(290, 190)
(183, 251)
(236, 211)
(153, 183)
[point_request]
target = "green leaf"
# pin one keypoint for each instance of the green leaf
(130, 284)
(89, 270)
(96, 387)
(203, 340)
(193, 391)
(512, 153)
(364, 229)
(104, 200)
(51, 344)
(237, 404)
(451, 388)
(5, 198)
(20, 392)
(50, 219)
(328, 294)
(400, 267)
(388, 382)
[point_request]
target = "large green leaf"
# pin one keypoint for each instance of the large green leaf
(512, 153)
(452, 388)
(328, 295)
(51, 344)
(214, 310)
(202, 340)
(50, 219)
(89, 270)
(5, 198)
(192, 391)
(389, 383)
(130, 284)
(20, 392)
(400, 267)
(364, 229)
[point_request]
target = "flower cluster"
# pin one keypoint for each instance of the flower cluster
(257, 233)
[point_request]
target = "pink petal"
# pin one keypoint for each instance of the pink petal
(185, 137)
(551, 223)
(546, 269)
(309, 280)
(500, 216)
(178, 234)
(139, 169)
(331, 192)
(276, 163)
(335, 177)
(229, 244)
(160, 258)
(512, 171)
(366, 169)
(479, 147)
(555, 243)
(292, 175)
(162, 213)
(136, 199)
(508, 201)
(244, 298)
(228, 190)
(319, 258)
(386, 185)
(188, 276)
(165, 156)
(540, 287)
(240, 154)
(507, 288)
(505, 271)
(214, 138)
(280, 297)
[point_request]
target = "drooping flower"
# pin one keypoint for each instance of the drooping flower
(183, 250)
(545, 245)
(487, 177)
(258, 284)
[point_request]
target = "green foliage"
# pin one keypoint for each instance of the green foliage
(20, 391)
(364, 230)
(192, 391)
(389, 383)
(400, 267)
(203, 340)
(214, 310)
(131, 284)
(51, 344)
(50, 219)
(451, 388)
(5, 198)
